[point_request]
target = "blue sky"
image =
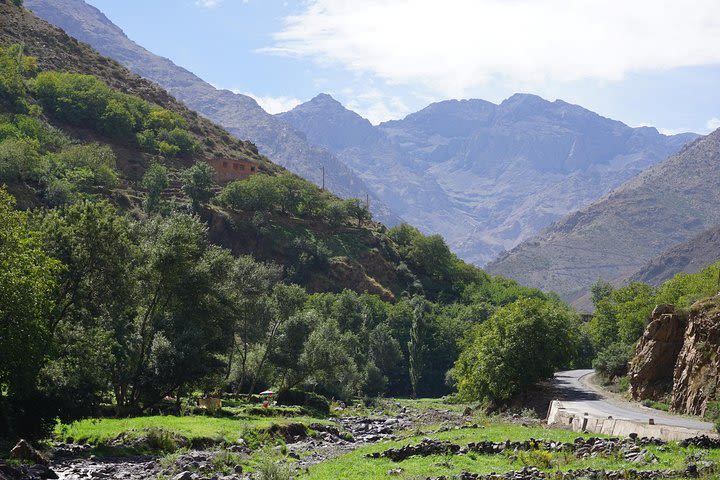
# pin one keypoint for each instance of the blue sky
(645, 62)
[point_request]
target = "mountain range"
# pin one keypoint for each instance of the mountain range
(485, 176)
(670, 203)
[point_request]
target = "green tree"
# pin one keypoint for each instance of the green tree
(600, 291)
(327, 356)
(155, 181)
(13, 68)
(27, 284)
(520, 344)
(20, 160)
(416, 344)
(614, 361)
(197, 183)
(358, 210)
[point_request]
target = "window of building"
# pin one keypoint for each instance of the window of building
(252, 169)
(235, 166)
(224, 164)
(242, 167)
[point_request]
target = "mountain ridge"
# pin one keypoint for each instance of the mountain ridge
(486, 175)
(664, 206)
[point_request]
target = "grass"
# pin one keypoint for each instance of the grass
(99, 431)
(355, 466)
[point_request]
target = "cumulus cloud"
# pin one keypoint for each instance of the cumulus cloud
(457, 45)
(274, 104)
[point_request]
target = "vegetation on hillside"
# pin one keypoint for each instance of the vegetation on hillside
(123, 306)
(621, 314)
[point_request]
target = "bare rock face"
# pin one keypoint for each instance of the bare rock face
(697, 372)
(651, 371)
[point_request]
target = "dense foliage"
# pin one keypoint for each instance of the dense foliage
(100, 305)
(85, 101)
(621, 315)
(520, 344)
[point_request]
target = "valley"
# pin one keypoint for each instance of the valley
(194, 288)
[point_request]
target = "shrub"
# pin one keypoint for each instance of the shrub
(20, 160)
(311, 401)
(712, 414)
(614, 361)
(270, 469)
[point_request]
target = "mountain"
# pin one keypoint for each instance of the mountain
(485, 176)
(688, 257)
(666, 205)
(239, 114)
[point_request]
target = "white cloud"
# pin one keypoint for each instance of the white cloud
(713, 124)
(208, 3)
(457, 45)
(374, 105)
(274, 104)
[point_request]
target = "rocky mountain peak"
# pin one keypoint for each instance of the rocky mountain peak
(327, 123)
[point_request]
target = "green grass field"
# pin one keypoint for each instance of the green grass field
(355, 466)
(98, 431)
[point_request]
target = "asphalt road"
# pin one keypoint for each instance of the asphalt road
(577, 395)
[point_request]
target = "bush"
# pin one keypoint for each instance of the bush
(614, 361)
(712, 414)
(87, 102)
(311, 401)
(20, 160)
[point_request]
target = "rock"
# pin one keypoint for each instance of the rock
(42, 471)
(24, 451)
(183, 476)
(651, 370)
(697, 372)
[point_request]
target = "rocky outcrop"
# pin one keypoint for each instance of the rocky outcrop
(651, 371)
(697, 371)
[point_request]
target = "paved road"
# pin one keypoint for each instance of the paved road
(577, 395)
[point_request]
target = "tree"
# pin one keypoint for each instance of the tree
(520, 344)
(183, 319)
(415, 345)
(13, 68)
(287, 300)
(197, 183)
(600, 291)
(614, 361)
(358, 210)
(27, 284)
(327, 356)
(155, 182)
(252, 284)
(95, 302)
(20, 160)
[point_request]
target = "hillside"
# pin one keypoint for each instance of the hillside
(666, 205)
(239, 114)
(486, 176)
(345, 255)
(688, 257)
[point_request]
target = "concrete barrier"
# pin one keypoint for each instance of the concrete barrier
(559, 416)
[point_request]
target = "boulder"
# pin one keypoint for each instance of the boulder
(25, 452)
(697, 372)
(651, 370)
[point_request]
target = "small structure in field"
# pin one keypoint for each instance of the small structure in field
(210, 404)
(227, 170)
